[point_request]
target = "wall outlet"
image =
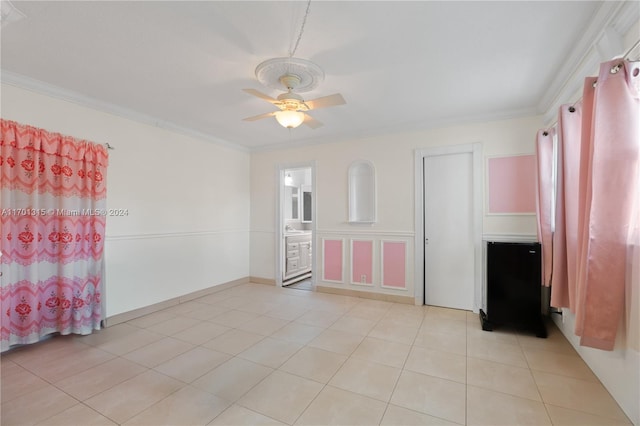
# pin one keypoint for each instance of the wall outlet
(363, 279)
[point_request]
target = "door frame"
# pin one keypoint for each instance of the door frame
(279, 216)
(419, 275)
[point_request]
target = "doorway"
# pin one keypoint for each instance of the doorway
(296, 227)
(450, 229)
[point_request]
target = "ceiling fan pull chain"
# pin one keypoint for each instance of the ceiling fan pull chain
(304, 21)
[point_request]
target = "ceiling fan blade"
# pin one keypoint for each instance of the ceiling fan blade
(260, 95)
(260, 117)
(311, 122)
(326, 101)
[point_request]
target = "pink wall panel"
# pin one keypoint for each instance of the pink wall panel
(512, 184)
(362, 261)
(332, 260)
(393, 264)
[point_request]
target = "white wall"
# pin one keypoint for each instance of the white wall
(393, 158)
(188, 202)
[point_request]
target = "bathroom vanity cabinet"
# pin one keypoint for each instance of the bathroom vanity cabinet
(298, 255)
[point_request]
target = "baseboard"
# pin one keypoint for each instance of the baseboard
(258, 280)
(136, 313)
(367, 294)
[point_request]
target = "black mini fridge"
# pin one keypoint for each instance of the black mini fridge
(514, 292)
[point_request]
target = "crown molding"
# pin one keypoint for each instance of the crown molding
(28, 83)
(410, 127)
(601, 41)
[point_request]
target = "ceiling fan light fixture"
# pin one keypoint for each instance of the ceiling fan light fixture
(290, 119)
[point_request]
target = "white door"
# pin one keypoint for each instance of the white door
(448, 224)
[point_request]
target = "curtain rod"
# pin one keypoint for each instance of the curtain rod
(615, 67)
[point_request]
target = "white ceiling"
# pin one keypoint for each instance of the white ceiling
(399, 65)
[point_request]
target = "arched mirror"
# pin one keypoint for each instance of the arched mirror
(362, 192)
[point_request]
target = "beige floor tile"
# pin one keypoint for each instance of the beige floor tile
(207, 312)
(57, 368)
(233, 302)
(443, 326)
(8, 367)
(496, 351)
(370, 311)
(233, 378)
(233, 318)
(20, 382)
(453, 343)
(298, 333)
(366, 378)
(502, 378)
(259, 307)
(263, 325)
(79, 414)
(185, 307)
(98, 379)
(555, 342)
(431, 395)
(240, 416)
(394, 333)
(213, 298)
(158, 352)
(500, 336)
(288, 312)
(437, 363)
(173, 325)
(576, 394)
(566, 417)
(409, 315)
(270, 352)
(129, 342)
(281, 396)
(338, 407)
(558, 363)
(485, 407)
(109, 334)
(133, 396)
(337, 341)
(438, 312)
(398, 416)
(233, 341)
(315, 364)
(201, 332)
(382, 352)
(353, 325)
(319, 318)
(36, 406)
(192, 364)
(152, 319)
(187, 406)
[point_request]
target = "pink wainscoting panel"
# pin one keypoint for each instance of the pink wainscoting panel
(332, 260)
(394, 264)
(362, 262)
(512, 184)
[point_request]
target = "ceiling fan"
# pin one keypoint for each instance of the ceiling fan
(294, 75)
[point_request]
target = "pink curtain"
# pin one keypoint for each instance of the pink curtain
(615, 164)
(584, 194)
(53, 195)
(565, 238)
(544, 157)
(598, 193)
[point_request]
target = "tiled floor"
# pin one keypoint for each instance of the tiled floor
(257, 354)
(301, 285)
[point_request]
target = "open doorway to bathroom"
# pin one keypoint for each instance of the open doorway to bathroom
(296, 224)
